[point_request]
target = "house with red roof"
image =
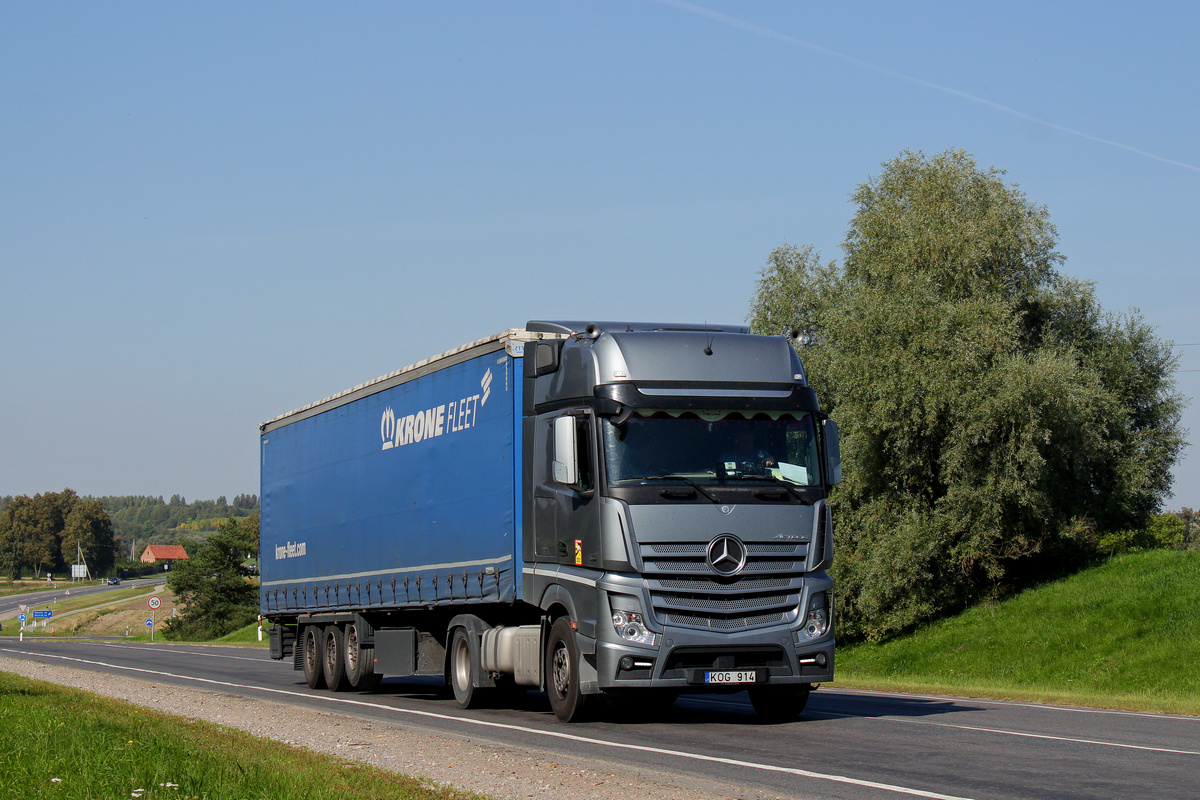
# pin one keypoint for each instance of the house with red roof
(163, 552)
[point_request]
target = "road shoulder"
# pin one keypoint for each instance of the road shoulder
(463, 762)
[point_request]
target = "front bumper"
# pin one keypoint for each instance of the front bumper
(683, 656)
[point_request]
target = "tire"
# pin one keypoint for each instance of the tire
(562, 673)
(313, 656)
(460, 668)
(779, 704)
(335, 659)
(360, 666)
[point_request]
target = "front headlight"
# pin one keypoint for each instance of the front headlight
(817, 621)
(628, 623)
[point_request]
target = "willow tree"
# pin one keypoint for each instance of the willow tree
(994, 417)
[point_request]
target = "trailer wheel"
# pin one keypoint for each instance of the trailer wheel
(360, 667)
(313, 657)
(461, 653)
(779, 704)
(562, 670)
(335, 661)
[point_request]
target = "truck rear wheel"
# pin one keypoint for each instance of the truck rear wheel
(461, 653)
(562, 671)
(335, 660)
(313, 657)
(780, 703)
(360, 666)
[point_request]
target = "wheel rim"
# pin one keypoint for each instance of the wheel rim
(352, 649)
(462, 664)
(310, 647)
(330, 656)
(562, 670)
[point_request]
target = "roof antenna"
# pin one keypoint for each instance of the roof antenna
(708, 344)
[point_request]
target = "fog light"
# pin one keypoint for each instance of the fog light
(821, 659)
(626, 663)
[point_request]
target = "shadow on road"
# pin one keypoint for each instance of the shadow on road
(689, 709)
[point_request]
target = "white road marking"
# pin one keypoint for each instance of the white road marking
(1019, 703)
(207, 653)
(1029, 735)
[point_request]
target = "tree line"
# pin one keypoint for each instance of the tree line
(998, 425)
(142, 520)
(46, 532)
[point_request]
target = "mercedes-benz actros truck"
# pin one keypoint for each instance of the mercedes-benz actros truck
(621, 510)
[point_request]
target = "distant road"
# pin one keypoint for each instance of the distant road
(849, 745)
(10, 603)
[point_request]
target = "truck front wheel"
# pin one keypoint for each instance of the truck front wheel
(462, 659)
(313, 657)
(562, 670)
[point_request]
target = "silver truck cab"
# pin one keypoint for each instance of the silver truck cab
(676, 516)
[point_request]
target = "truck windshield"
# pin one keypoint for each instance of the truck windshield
(712, 446)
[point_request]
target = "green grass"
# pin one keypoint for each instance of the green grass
(247, 635)
(1121, 635)
(63, 743)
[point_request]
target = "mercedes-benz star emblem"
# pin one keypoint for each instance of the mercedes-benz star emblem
(726, 554)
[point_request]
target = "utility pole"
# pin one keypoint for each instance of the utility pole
(79, 562)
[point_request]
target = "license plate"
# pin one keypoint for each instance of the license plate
(731, 676)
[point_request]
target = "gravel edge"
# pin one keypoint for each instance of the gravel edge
(501, 771)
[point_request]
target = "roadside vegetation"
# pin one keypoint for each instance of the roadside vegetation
(48, 532)
(43, 534)
(59, 742)
(1120, 635)
(247, 636)
(217, 591)
(998, 425)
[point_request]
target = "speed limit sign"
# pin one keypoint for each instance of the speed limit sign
(154, 603)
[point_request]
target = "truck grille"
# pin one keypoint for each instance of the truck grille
(691, 557)
(727, 604)
(725, 623)
(686, 591)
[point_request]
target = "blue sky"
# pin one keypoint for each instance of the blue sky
(212, 213)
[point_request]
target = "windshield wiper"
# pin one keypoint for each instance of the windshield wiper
(683, 478)
(792, 488)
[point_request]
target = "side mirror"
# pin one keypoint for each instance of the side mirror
(566, 462)
(833, 452)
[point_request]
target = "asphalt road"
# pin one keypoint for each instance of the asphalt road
(848, 744)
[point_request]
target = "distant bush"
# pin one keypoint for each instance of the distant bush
(1164, 532)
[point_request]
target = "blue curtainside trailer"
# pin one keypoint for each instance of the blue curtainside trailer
(405, 493)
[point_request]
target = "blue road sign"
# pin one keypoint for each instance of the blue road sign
(21, 618)
(149, 623)
(43, 613)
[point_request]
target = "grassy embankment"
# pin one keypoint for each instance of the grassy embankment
(59, 742)
(1121, 635)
